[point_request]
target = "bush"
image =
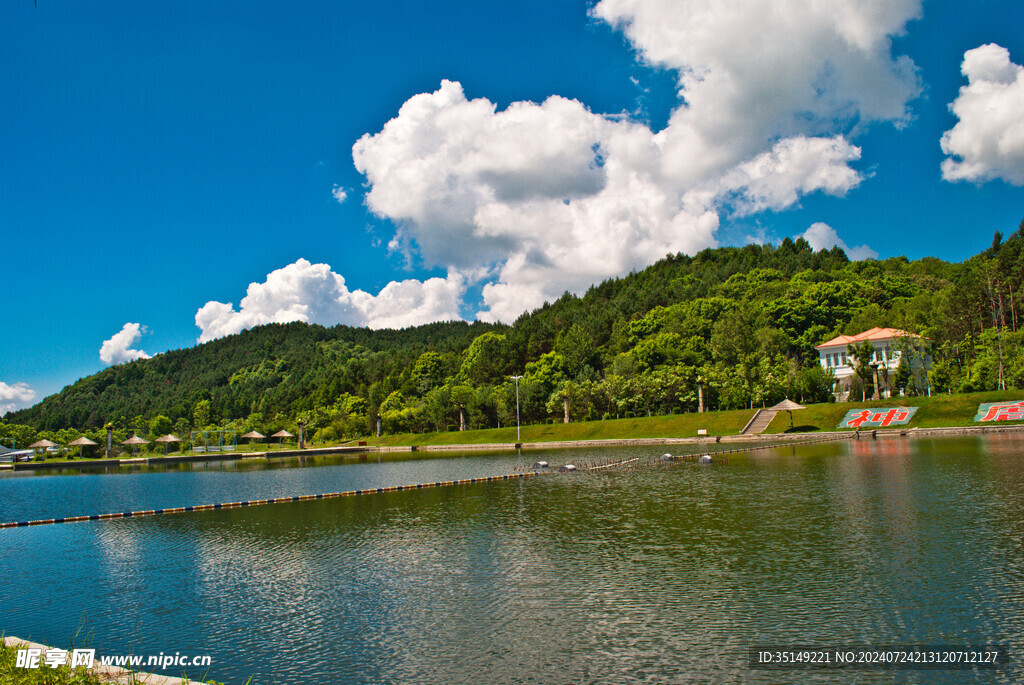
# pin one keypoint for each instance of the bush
(328, 434)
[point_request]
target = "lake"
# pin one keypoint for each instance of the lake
(670, 572)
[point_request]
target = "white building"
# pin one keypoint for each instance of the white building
(885, 359)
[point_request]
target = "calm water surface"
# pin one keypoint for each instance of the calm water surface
(667, 573)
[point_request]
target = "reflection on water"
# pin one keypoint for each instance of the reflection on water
(667, 573)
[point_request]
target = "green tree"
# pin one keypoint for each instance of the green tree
(902, 376)
(486, 359)
(429, 372)
(201, 414)
(861, 354)
(437, 406)
(461, 397)
(571, 398)
(814, 384)
(576, 348)
(160, 425)
(182, 428)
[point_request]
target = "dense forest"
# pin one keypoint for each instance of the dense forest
(742, 320)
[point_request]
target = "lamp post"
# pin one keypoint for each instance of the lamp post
(518, 434)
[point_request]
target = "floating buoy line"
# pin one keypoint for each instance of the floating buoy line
(717, 457)
(253, 503)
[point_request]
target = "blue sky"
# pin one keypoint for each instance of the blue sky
(160, 157)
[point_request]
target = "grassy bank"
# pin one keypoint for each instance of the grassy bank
(10, 672)
(941, 411)
(63, 675)
(716, 423)
(933, 412)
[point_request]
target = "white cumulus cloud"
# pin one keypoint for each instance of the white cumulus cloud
(751, 71)
(988, 141)
(794, 167)
(15, 396)
(554, 197)
(339, 194)
(546, 197)
(821, 236)
(117, 349)
(313, 293)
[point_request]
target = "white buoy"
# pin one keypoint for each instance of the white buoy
(540, 464)
(666, 457)
(568, 467)
(705, 459)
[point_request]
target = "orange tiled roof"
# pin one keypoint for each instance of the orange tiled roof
(871, 334)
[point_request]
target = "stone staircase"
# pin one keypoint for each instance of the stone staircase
(758, 422)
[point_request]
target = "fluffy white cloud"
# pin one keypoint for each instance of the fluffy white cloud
(794, 167)
(313, 293)
(821, 236)
(554, 197)
(444, 159)
(15, 396)
(543, 198)
(989, 138)
(339, 194)
(117, 349)
(751, 71)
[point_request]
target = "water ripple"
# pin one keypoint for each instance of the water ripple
(667, 573)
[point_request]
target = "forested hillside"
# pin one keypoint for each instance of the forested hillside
(744, 320)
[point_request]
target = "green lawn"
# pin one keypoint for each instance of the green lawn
(932, 412)
(678, 425)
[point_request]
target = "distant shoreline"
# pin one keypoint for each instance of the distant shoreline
(881, 433)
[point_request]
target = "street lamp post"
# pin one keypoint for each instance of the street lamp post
(518, 434)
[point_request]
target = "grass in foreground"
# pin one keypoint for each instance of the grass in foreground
(11, 673)
(64, 675)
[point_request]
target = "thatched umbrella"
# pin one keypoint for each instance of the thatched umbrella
(253, 435)
(790, 406)
(133, 441)
(282, 434)
(168, 439)
(82, 443)
(42, 445)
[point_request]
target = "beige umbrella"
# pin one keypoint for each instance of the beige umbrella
(282, 435)
(43, 445)
(133, 441)
(168, 439)
(81, 443)
(790, 406)
(253, 435)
